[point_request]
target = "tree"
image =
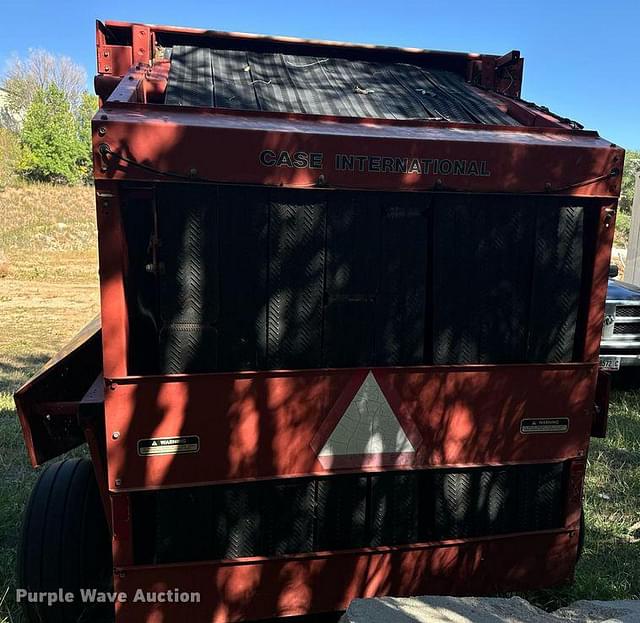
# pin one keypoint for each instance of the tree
(84, 114)
(631, 167)
(52, 149)
(41, 69)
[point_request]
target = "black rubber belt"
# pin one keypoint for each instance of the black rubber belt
(324, 86)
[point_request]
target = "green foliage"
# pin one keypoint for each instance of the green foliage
(631, 167)
(9, 155)
(56, 143)
(84, 113)
(623, 227)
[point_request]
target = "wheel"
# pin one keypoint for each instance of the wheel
(65, 544)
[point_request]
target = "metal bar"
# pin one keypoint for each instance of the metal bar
(130, 88)
(574, 497)
(508, 58)
(300, 42)
(112, 255)
(599, 280)
(141, 44)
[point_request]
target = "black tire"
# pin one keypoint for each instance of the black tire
(65, 544)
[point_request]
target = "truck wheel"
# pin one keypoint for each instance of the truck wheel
(65, 544)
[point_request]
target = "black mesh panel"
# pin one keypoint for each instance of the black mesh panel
(342, 512)
(296, 282)
(507, 276)
(280, 517)
(236, 278)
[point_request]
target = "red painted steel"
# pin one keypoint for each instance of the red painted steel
(573, 511)
(320, 582)
(42, 413)
(122, 533)
(599, 280)
(114, 60)
(264, 425)
(112, 252)
(503, 74)
(226, 148)
(141, 43)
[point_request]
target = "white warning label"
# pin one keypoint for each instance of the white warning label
(544, 425)
(169, 445)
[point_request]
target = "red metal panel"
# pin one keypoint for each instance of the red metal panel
(122, 547)
(47, 404)
(600, 279)
(320, 583)
(574, 495)
(307, 46)
(200, 144)
(114, 60)
(112, 256)
(141, 43)
(261, 425)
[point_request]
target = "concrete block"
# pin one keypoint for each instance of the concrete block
(438, 609)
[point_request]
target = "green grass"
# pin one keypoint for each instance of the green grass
(50, 291)
(610, 563)
(17, 480)
(613, 507)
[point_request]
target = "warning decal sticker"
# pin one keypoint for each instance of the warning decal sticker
(169, 445)
(368, 426)
(544, 425)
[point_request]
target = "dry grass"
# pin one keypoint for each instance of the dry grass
(9, 156)
(49, 291)
(47, 233)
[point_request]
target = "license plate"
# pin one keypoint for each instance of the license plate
(610, 363)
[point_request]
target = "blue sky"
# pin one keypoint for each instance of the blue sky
(580, 56)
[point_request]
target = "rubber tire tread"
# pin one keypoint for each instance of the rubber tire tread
(65, 543)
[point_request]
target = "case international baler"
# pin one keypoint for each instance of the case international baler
(352, 300)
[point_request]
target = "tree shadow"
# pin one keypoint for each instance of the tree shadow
(15, 370)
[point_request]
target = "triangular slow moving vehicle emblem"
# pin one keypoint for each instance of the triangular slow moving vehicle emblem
(368, 432)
